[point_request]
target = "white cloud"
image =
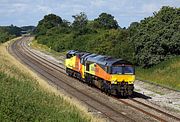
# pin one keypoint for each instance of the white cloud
(44, 9)
(98, 3)
(149, 8)
(125, 11)
(19, 7)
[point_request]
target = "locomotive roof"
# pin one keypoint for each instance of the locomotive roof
(100, 59)
(72, 52)
(105, 60)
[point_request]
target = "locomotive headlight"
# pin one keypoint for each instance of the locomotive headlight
(114, 82)
(131, 82)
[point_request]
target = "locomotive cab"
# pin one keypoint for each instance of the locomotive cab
(121, 73)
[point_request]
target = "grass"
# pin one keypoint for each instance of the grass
(46, 49)
(26, 97)
(166, 73)
(21, 100)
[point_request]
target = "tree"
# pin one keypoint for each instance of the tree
(14, 30)
(79, 24)
(80, 20)
(9, 32)
(48, 22)
(106, 21)
(66, 23)
(156, 38)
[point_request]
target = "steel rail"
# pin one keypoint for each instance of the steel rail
(160, 111)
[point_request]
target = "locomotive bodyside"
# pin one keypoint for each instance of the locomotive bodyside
(114, 76)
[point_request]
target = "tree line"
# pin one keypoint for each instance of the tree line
(9, 32)
(145, 43)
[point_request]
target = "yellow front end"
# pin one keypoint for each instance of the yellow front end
(124, 77)
(70, 62)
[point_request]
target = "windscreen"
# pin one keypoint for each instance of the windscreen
(116, 70)
(128, 70)
(122, 70)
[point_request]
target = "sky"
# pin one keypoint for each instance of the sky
(29, 12)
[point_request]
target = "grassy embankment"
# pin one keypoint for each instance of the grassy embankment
(46, 49)
(166, 73)
(26, 97)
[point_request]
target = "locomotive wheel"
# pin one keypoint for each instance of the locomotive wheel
(88, 80)
(102, 87)
(89, 83)
(109, 92)
(68, 72)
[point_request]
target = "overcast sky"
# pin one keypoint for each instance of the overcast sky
(29, 12)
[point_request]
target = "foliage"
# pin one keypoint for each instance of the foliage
(106, 21)
(9, 32)
(157, 38)
(80, 20)
(13, 30)
(48, 22)
(4, 35)
(146, 43)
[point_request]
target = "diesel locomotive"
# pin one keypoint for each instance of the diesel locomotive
(111, 75)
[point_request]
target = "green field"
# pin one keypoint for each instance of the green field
(166, 73)
(23, 99)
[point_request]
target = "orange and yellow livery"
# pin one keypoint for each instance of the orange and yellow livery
(114, 76)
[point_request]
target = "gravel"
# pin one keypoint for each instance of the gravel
(160, 96)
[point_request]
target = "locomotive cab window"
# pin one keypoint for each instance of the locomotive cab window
(116, 70)
(68, 56)
(87, 66)
(128, 70)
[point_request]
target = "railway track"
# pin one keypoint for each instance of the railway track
(55, 73)
(48, 72)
